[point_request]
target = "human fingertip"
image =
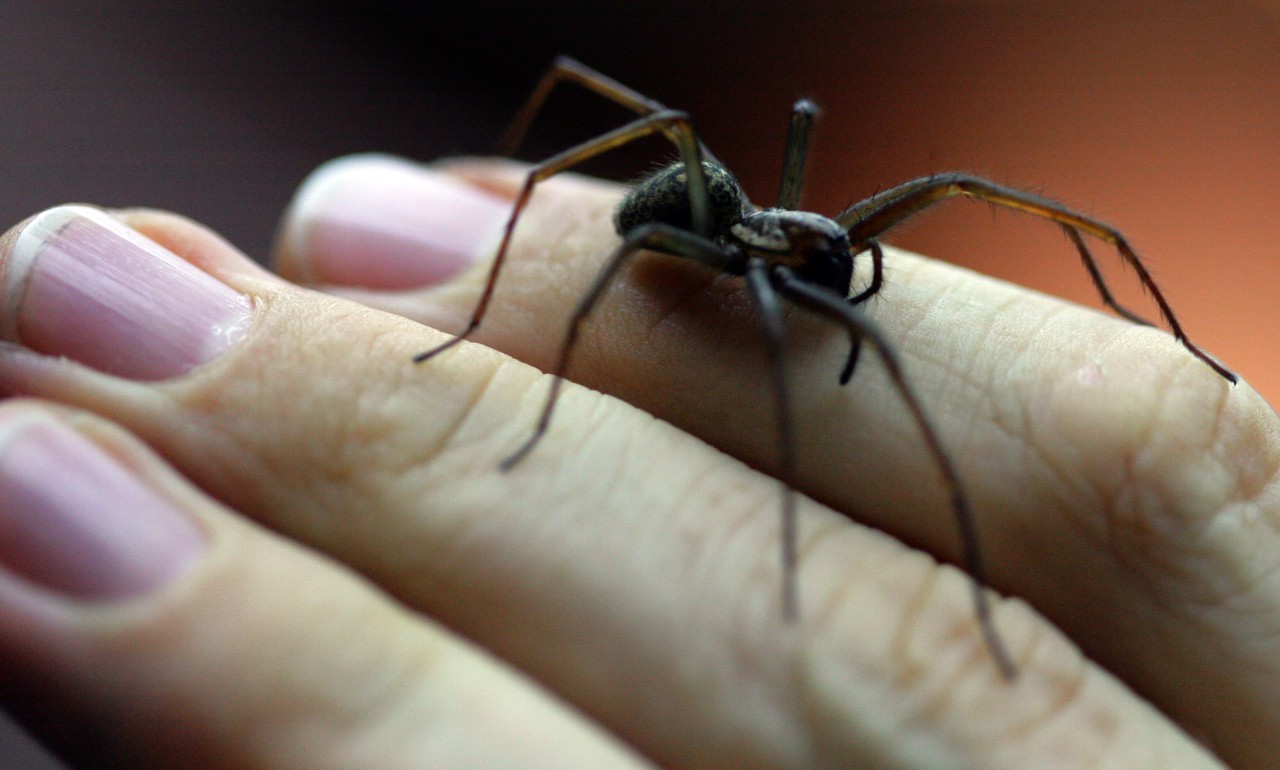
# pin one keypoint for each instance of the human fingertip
(381, 222)
(142, 625)
(77, 523)
(80, 284)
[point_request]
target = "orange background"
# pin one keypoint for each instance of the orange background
(1162, 119)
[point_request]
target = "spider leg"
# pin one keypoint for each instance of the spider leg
(797, 150)
(877, 273)
(766, 301)
(899, 203)
(659, 122)
(904, 191)
(877, 282)
(1091, 265)
(567, 70)
(830, 305)
(880, 212)
(851, 363)
(653, 237)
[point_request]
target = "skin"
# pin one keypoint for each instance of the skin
(624, 578)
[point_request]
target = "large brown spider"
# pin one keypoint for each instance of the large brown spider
(694, 208)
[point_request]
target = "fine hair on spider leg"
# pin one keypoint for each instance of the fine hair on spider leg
(695, 209)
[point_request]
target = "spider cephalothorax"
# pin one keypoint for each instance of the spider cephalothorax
(815, 247)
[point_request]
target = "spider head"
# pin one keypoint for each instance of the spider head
(814, 247)
(823, 249)
(663, 198)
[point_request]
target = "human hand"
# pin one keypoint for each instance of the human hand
(1122, 489)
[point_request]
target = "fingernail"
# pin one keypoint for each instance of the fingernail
(378, 222)
(82, 285)
(76, 521)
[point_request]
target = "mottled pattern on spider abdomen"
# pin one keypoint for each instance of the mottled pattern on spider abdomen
(664, 198)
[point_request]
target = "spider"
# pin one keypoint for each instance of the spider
(694, 208)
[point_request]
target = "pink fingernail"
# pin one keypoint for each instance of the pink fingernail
(82, 285)
(74, 520)
(378, 222)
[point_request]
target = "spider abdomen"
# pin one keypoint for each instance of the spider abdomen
(664, 199)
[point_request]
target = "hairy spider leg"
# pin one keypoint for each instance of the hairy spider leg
(652, 237)
(880, 212)
(833, 307)
(658, 122)
(565, 69)
(766, 302)
(877, 272)
(873, 288)
(803, 113)
(908, 192)
(795, 155)
(1091, 265)
(568, 70)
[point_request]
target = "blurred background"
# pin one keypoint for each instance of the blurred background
(1160, 117)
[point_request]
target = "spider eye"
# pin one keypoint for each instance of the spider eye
(664, 198)
(826, 260)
